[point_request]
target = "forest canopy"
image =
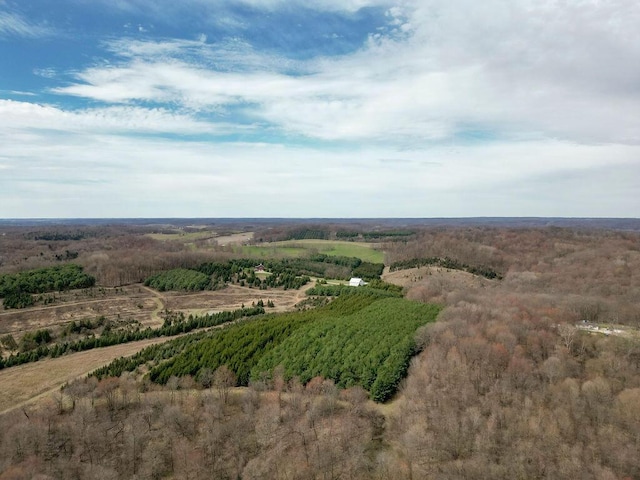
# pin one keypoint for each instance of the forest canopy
(363, 338)
(52, 279)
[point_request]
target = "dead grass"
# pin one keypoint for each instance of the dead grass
(31, 381)
(26, 383)
(416, 276)
(231, 298)
(235, 239)
(137, 303)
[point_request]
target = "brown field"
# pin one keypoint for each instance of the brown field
(412, 276)
(136, 303)
(230, 298)
(28, 382)
(234, 239)
(203, 238)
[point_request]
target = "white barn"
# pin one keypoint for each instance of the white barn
(356, 282)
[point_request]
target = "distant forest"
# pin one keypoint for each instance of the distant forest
(533, 373)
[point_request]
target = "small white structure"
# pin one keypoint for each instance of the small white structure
(356, 282)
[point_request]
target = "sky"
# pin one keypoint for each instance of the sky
(336, 108)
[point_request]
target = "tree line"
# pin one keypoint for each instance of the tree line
(287, 273)
(16, 288)
(58, 278)
(445, 262)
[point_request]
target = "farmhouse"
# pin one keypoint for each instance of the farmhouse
(356, 282)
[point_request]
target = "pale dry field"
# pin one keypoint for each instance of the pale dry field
(231, 298)
(235, 239)
(28, 382)
(134, 302)
(139, 304)
(31, 381)
(416, 276)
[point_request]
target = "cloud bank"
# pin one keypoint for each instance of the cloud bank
(492, 108)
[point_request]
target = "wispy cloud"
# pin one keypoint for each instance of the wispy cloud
(14, 25)
(23, 116)
(18, 92)
(165, 7)
(45, 72)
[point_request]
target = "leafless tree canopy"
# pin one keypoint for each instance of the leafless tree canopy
(508, 383)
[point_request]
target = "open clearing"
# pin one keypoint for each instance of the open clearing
(269, 251)
(133, 303)
(362, 250)
(412, 277)
(235, 239)
(610, 329)
(238, 243)
(182, 236)
(30, 381)
(207, 235)
(137, 303)
(26, 382)
(231, 298)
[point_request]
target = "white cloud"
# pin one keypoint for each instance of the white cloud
(18, 92)
(45, 72)
(479, 108)
(519, 69)
(89, 173)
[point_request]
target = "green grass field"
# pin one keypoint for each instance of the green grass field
(363, 251)
(288, 248)
(269, 251)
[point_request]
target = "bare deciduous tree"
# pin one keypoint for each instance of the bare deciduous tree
(223, 380)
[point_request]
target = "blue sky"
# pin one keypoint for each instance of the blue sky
(290, 108)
